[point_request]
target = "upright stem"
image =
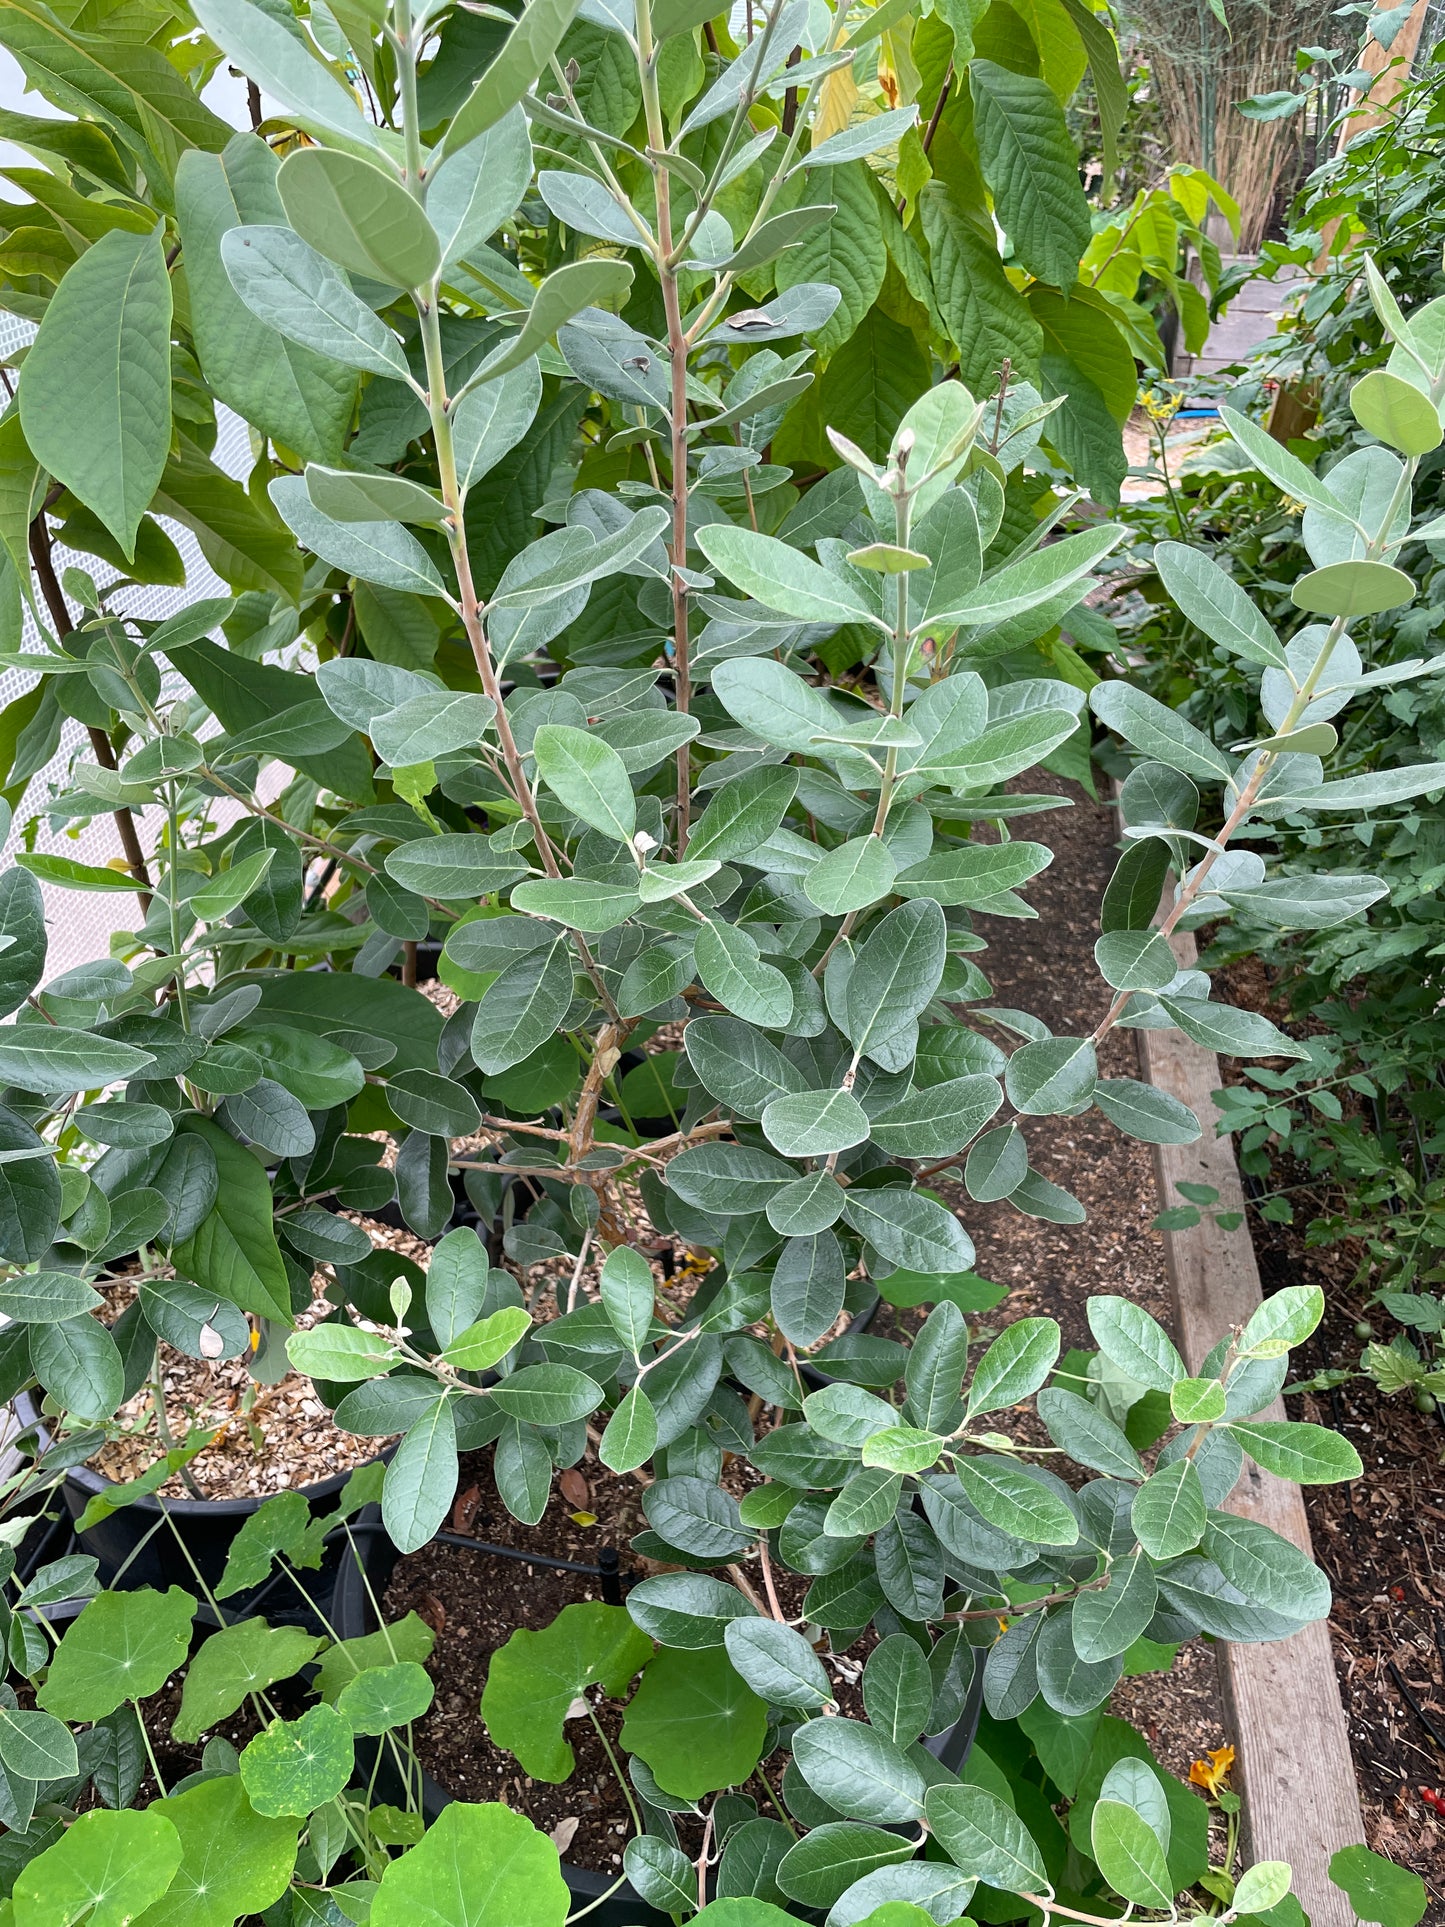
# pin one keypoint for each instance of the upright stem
(677, 346)
(173, 832)
(1249, 795)
(902, 522)
(99, 742)
(471, 611)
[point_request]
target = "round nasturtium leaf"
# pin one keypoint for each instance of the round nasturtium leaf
(124, 1646)
(298, 1765)
(476, 1866)
(104, 1870)
(234, 1862)
(695, 1723)
(536, 1676)
(386, 1696)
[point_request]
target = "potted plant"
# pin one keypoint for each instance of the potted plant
(123, 1796)
(706, 821)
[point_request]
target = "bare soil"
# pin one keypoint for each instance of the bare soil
(1380, 1538)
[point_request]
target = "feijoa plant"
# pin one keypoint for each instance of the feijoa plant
(703, 821)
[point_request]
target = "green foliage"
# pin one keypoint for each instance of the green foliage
(1345, 1139)
(534, 1679)
(673, 480)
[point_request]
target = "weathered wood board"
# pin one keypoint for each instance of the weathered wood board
(1282, 1701)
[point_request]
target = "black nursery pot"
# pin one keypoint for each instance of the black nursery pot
(144, 1550)
(363, 1579)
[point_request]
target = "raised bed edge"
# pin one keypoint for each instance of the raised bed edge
(1282, 1700)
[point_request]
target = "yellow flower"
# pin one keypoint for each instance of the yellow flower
(1212, 1773)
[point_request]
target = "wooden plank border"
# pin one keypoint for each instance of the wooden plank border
(1282, 1701)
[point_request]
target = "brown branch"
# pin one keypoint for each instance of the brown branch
(44, 564)
(1031, 1606)
(790, 98)
(939, 106)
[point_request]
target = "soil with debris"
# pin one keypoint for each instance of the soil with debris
(1046, 967)
(1381, 1538)
(270, 1438)
(474, 1599)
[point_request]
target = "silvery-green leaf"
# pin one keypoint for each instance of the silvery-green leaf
(375, 551)
(491, 419)
(292, 288)
(431, 726)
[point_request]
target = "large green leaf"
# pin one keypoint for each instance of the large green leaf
(243, 539)
(847, 253)
(234, 1252)
(95, 397)
(22, 919)
(1088, 366)
(987, 318)
(234, 1861)
(1017, 1504)
(777, 1663)
(123, 1646)
(1032, 169)
(695, 1722)
(865, 391)
(1308, 1454)
(105, 1869)
(535, 1677)
(493, 418)
(1136, 1342)
(475, 189)
(729, 964)
(244, 694)
(301, 399)
(476, 1866)
(1168, 1511)
(124, 84)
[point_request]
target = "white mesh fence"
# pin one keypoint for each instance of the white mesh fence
(80, 923)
